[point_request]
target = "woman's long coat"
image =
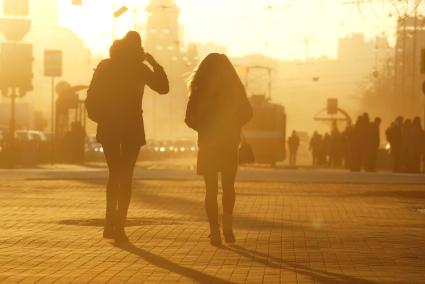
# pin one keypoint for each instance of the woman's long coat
(218, 118)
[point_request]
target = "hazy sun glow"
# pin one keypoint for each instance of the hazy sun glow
(274, 27)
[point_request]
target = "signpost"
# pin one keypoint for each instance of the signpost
(53, 69)
(332, 106)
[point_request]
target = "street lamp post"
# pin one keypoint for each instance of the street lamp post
(53, 69)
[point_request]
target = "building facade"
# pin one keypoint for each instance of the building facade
(164, 115)
(409, 98)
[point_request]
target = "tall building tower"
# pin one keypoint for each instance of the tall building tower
(162, 30)
(164, 115)
(410, 40)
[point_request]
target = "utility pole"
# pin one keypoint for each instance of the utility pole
(405, 104)
(53, 69)
(415, 70)
(414, 57)
(307, 47)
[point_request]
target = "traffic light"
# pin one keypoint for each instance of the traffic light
(16, 62)
(77, 2)
(15, 29)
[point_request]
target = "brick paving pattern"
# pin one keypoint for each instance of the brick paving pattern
(51, 232)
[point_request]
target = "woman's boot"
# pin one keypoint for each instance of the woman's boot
(229, 237)
(109, 227)
(119, 234)
(215, 236)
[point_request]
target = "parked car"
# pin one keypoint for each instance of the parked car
(30, 135)
(163, 149)
(30, 147)
(93, 150)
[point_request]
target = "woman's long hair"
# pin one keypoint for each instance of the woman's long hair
(215, 74)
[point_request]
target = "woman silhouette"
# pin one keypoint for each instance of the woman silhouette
(217, 109)
(118, 85)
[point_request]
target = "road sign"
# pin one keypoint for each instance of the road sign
(332, 106)
(16, 62)
(15, 29)
(53, 63)
(16, 7)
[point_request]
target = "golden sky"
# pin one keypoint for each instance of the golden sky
(273, 27)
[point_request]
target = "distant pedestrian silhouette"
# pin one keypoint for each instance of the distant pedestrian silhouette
(373, 145)
(217, 109)
(293, 143)
(416, 146)
(407, 141)
(315, 142)
(114, 101)
(394, 137)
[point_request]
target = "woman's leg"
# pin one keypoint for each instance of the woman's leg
(211, 206)
(113, 159)
(228, 184)
(129, 154)
(229, 196)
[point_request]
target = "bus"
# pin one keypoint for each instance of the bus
(266, 131)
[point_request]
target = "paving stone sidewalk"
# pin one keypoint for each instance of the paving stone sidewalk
(50, 232)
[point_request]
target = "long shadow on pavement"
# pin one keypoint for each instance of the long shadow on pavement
(195, 209)
(171, 266)
(131, 222)
(318, 275)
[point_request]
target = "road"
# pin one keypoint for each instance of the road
(292, 226)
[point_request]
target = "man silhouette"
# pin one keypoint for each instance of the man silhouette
(293, 143)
